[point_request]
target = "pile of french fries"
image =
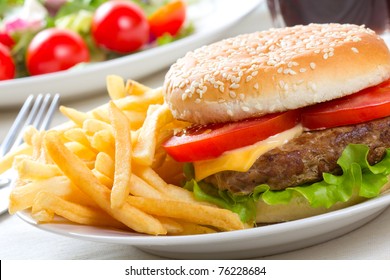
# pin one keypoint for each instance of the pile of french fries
(106, 167)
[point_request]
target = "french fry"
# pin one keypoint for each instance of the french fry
(74, 115)
(105, 165)
(135, 88)
(34, 170)
(105, 180)
(81, 176)
(171, 191)
(43, 215)
(191, 228)
(115, 87)
(158, 116)
(103, 141)
(122, 174)
(77, 134)
(173, 227)
(71, 211)
(141, 102)
(136, 118)
(92, 126)
(190, 212)
(7, 160)
(28, 134)
(22, 197)
(101, 114)
(81, 151)
(139, 187)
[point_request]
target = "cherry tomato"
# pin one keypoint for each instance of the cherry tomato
(53, 50)
(366, 105)
(210, 141)
(7, 65)
(6, 40)
(120, 26)
(168, 18)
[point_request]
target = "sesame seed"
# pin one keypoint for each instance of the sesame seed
(355, 50)
(229, 112)
(280, 70)
(312, 65)
(256, 86)
(302, 70)
(242, 96)
(271, 62)
(245, 108)
(232, 94)
(234, 86)
(258, 107)
(248, 78)
(325, 56)
(312, 86)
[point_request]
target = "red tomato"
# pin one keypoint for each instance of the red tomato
(6, 40)
(53, 50)
(210, 141)
(120, 26)
(7, 65)
(168, 18)
(366, 105)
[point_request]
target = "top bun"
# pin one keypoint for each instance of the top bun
(275, 70)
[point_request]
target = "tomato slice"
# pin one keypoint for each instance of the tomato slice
(168, 18)
(210, 141)
(366, 105)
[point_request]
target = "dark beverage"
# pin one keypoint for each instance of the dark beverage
(372, 13)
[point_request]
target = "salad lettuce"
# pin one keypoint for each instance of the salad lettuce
(358, 176)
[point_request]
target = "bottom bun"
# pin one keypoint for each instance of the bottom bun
(299, 208)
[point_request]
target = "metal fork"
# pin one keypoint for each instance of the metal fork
(37, 112)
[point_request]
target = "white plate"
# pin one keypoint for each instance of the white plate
(256, 242)
(211, 21)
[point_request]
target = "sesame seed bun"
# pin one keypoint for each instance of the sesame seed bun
(275, 70)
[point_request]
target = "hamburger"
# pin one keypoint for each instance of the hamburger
(285, 123)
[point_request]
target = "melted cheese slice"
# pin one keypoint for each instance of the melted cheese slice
(243, 158)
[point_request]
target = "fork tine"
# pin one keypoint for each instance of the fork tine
(9, 138)
(50, 112)
(40, 115)
(29, 120)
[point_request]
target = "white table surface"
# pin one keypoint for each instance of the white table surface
(19, 240)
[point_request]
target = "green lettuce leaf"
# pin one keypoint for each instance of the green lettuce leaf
(358, 176)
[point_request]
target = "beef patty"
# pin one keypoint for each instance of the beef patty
(304, 158)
